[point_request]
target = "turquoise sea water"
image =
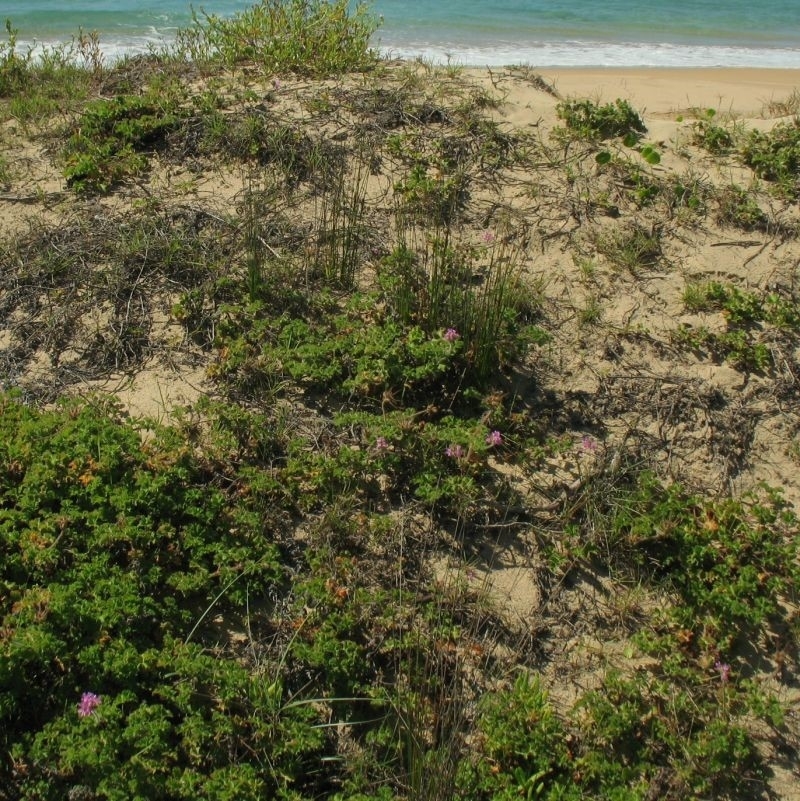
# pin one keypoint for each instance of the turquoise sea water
(537, 32)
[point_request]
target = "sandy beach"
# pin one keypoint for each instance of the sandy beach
(742, 92)
(671, 91)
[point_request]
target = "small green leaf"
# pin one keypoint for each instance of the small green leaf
(603, 157)
(650, 155)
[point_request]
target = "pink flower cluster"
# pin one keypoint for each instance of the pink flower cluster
(88, 703)
(724, 670)
(451, 335)
(589, 443)
(454, 451)
(494, 438)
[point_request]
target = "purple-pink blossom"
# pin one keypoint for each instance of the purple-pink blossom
(494, 438)
(589, 443)
(724, 670)
(451, 335)
(488, 237)
(454, 451)
(88, 703)
(381, 444)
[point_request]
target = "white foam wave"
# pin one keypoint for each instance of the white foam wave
(500, 53)
(112, 48)
(595, 54)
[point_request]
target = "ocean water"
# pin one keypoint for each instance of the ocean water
(543, 33)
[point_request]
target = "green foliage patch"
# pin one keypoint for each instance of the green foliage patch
(727, 576)
(733, 563)
(775, 155)
(589, 120)
(716, 139)
(307, 37)
(739, 208)
(746, 314)
(112, 138)
(34, 86)
(113, 552)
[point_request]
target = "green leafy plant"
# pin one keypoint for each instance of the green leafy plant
(592, 121)
(716, 139)
(729, 560)
(724, 578)
(523, 751)
(688, 196)
(112, 138)
(745, 313)
(368, 360)
(735, 345)
(741, 307)
(643, 732)
(435, 197)
(307, 37)
(775, 155)
(739, 207)
(111, 552)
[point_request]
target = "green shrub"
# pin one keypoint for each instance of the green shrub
(13, 66)
(716, 139)
(434, 199)
(592, 121)
(112, 138)
(112, 552)
(731, 562)
(369, 361)
(522, 749)
(775, 155)
(307, 37)
(642, 733)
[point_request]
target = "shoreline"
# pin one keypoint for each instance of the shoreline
(672, 90)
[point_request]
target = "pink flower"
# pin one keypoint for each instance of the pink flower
(276, 84)
(589, 444)
(381, 444)
(451, 335)
(724, 670)
(454, 451)
(88, 703)
(494, 438)
(488, 237)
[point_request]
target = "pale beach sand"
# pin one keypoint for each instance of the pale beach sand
(741, 92)
(667, 99)
(664, 91)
